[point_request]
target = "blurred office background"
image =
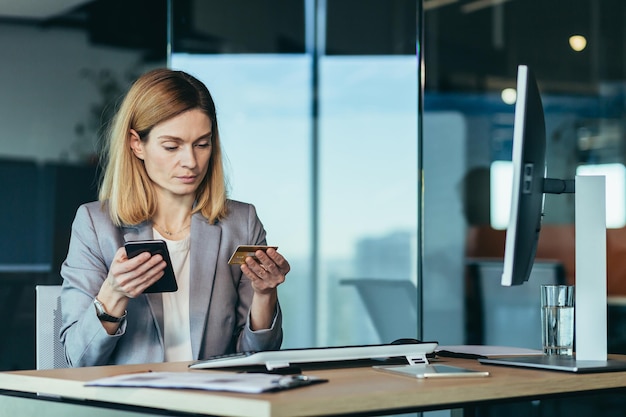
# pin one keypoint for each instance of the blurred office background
(379, 126)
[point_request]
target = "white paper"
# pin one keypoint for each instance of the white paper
(252, 383)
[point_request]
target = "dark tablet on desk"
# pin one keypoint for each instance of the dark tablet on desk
(558, 363)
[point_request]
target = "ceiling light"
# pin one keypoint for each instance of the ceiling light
(480, 4)
(509, 95)
(435, 4)
(577, 42)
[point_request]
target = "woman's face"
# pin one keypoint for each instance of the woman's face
(176, 153)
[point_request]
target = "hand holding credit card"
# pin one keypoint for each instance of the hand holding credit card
(239, 256)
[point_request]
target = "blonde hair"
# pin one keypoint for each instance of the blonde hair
(155, 97)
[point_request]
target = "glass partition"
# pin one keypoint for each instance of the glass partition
(472, 50)
(319, 125)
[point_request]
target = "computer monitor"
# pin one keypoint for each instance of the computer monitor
(529, 186)
(529, 181)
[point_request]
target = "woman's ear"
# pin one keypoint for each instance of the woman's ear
(136, 144)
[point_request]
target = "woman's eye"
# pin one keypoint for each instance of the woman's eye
(170, 148)
(203, 144)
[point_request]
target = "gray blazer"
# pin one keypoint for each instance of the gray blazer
(220, 295)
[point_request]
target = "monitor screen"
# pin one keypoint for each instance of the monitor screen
(529, 181)
(529, 169)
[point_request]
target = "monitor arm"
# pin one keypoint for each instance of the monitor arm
(555, 186)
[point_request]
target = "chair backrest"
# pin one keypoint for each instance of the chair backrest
(49, 350)
(391, 304)
(511, 316)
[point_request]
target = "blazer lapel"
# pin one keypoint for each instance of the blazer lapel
(143, 231)
(205, 239)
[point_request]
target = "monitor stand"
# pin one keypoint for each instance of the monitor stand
(591, 289)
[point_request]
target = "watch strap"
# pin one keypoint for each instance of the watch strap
(103, 315)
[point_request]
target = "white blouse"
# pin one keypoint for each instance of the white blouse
(177, 332)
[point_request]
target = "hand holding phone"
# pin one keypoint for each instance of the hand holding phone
(167, 283)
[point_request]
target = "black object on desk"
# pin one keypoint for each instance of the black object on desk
(460, 355)
(559, 363)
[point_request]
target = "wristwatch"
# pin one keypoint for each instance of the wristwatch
(103, 315)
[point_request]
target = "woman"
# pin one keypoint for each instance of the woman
(164, 179)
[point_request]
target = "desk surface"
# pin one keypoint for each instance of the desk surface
(349, 391)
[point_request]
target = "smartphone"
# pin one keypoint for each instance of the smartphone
(432, 371)
(243, 251)
(167, 283)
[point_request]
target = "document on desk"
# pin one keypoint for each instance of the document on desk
(251, 383)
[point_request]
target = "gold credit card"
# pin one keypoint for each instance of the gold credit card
(243, 251)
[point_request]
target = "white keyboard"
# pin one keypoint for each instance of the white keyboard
(274, 359)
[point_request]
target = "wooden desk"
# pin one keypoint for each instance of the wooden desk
(348, 392)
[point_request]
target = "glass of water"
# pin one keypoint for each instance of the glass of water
(557, 319)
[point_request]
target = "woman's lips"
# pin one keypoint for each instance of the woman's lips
(187, 180)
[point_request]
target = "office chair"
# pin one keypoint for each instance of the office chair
(391, 305)
(511, 316)
(49, 351)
